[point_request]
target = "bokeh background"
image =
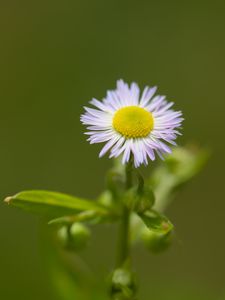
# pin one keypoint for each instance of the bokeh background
(54, 57)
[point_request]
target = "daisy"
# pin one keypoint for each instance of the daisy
(132, 124)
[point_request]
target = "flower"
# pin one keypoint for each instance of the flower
(132, 124)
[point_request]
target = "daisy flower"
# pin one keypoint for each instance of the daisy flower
(130, 123)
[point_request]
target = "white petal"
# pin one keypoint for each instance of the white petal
(108, 145)
(147, 95)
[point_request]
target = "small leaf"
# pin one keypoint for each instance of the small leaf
(83, 216)
(139, 200)
(52, 203)
(156, 222)
(90, 216)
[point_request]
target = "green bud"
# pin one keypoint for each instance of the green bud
(106, 199)
(62, 236)
(123, 285)
(156, 242)
(79, 236)
(74, 237)
(140, 201)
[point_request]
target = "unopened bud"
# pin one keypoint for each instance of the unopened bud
(79, 236)
(63, 236)
(74, 237)
(123, 285)
(156, 242)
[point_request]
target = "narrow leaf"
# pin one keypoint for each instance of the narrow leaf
(86, 216)
(52, 203)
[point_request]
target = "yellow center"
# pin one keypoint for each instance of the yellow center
(133, 122)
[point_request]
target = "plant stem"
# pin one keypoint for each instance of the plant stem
(124, 242)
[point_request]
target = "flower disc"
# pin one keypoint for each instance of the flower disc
(133, 122)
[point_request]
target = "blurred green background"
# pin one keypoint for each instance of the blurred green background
(54, 57)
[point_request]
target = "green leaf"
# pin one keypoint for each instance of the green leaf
(156, 222)
(85, 216)
(52, 203)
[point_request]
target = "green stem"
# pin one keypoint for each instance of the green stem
(124, 239)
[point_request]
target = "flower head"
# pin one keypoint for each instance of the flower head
(132, 124)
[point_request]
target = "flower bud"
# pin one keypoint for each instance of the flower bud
(79, 236)
(123, 285)
(106, 199)
(74, 237)
(156, 242)
(63, 236)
